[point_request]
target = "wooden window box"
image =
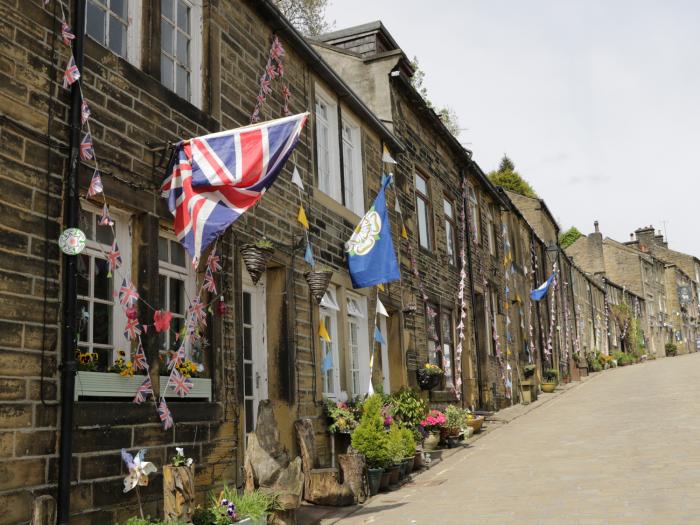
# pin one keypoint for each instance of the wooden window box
(104, 384)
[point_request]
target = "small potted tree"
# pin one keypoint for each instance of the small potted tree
(671, 349)
(551, 376)
(255, 257)
(409, 450)
(396, 453)
(370, 440)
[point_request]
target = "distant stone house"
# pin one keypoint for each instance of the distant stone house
(157, 76)
(429, 181)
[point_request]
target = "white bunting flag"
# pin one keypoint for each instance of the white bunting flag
(380, 308)
(296, 179)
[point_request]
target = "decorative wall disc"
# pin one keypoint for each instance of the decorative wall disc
(72, 241)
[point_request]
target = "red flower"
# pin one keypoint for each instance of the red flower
(161, 320)
(132, 312)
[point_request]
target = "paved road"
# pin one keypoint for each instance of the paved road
(621, 448)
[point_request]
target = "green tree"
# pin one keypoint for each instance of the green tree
(569, 237)
(308, 16)
(506, 177)
(447, 114)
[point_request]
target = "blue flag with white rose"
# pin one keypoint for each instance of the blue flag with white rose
(371, 256)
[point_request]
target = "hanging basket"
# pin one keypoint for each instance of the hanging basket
(255, 259)
(427, 381)
(318, 282)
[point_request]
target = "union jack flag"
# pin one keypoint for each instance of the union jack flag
(213, 263)
(164, 413)
(270, 70)
(66, 33)
(265, 84)
(127, 293)
(280, 69)
(277, 51)
(177, 358)
(209, 284)
(286, 94)
(95, 184)
(181, 384)
(143, 391)
(105, 219)
(214, 179)
(84, 112)
(132, 329)
(196, 310)
(86, 150)
(71, 74)
(139, 360)
(114, 257)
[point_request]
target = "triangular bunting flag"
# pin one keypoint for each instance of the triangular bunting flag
(386, 157)
(397, 206)
(404, 233)
(378, 337)
(309, 255)
(296, 179)
(327, 362)
(380, 308)
(380, 286)
(301, 217)
(323, 333)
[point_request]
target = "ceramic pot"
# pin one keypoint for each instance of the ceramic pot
(374, 479)
(432, 441)
(394, 472)
(548, 387)
(418, 460)
(384, 483)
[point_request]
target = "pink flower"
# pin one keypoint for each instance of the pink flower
(388, 420)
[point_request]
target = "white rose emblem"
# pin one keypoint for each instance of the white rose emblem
(365, 235)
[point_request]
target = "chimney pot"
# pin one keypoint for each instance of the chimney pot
(595, 225)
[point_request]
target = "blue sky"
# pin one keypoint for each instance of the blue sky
(597, 102)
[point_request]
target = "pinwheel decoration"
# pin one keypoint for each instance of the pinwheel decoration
(139, 469)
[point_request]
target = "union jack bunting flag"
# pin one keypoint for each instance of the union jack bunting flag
(213, 263)
(214, 179)
(177, 358)
(114, 257)
(84, 112)
(277, 51)
(164, 414)
(196, 310)
(71, 74)
(139, 361)
(280, 69)
(66, 33)
(105, 219)
(265, 85)
(209, 285)
(86, 150)
(132, 329)
(95, 184)
(143, 391)
(270, 70)
(181, 384)
(127, 293)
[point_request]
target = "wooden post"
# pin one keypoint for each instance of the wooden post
(44, 511)
(178, 492)
(352, 467)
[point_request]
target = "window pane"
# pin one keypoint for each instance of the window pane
(447, 205)
(183, 83)
(247, 343)
(183, 50)
(104, 233)
(450, 241)
(162, 249)
(83, 321)
(166, 37)
(162, 283)
(177, 296)
(119, 7)
(117, 36)
(423, 223)
(166, 8)
(102, 323)
(249, 416)
(421, 185)
(104, 358)
(183, 16)
(246, 308)
(176, 325)
(83, 275)
(95, 22)
(87, 224)
(177, 254)
(103, 283)
(248, 378)
(166, 72)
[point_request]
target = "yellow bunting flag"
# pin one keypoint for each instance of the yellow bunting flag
(380, 286)
(302, 218)
(323, 333)
(404, 233)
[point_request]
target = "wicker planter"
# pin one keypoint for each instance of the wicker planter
(318, 283)
(255, 259)
(427, 381)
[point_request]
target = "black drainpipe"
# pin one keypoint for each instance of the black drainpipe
(70, 279)
(468, 242)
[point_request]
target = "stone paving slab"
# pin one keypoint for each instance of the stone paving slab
(623, 447)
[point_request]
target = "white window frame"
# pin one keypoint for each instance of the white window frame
(474, 211)
(358, 352)
(329, 311)
(490, 231)
(450, 231)
(133, 29)
(328, 162)
(186, 274)
(196, 46)
(425, 198)
(351, 138)
(98, 250)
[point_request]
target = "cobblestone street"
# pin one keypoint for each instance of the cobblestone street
(622, 448)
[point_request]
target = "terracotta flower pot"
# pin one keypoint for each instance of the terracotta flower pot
(255, 259)
(432, 441)
(318, 283)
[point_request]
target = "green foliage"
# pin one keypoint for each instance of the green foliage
(248, 504)
(308, 16)
(149, 521)
(264, 243)
(551, 375)
(409, 407)
(569, 237)
(625, 359)
(506, 177)
(342, 416)
(447, 115)
(529, 370)
(203, 516)
(369, 438)
(456, 418)
(397, 449)
(409, 442)
(671, 349)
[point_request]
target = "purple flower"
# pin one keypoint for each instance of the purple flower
(224, 502)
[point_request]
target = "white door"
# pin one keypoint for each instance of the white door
(385, 355)
(254, 350)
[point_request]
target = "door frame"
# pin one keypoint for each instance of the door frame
(258, 346)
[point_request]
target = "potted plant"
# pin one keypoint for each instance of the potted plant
(255, 257)
(318, 279)
(429, 376)
(409, 449)
(550, 380)
(474, 422)
(432, 424)
(409, 409)
(249, 508)
(341, 417)
(454, 420)
(370, 440)
(178, 487)
(396, 453)
(671, 349)
(529, 371)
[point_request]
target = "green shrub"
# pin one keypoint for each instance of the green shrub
(671, 349)
(625, 359)
(455, 417)
(248, 504)
(551, 375)
(396, 445)
(617, 356)
(409, 443)
(149, 521)
(369, 438)
(203, 516)
(409, 408)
